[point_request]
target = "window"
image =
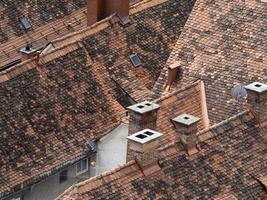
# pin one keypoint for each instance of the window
(25, 23)
(82, 166)
(135, 60)
(63, 176)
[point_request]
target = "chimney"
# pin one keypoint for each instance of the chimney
(186, 127)
(100, 9)
(144, 146)
(142, 115)
(27, 52)
(257, 98)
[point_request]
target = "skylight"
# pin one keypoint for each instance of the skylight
(25, 23)
(135, 60)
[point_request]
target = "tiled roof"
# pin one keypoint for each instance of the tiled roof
(224, 44)
(51, 107)
(155, 25)
(49, 20)
(49, 111)
(232, 154)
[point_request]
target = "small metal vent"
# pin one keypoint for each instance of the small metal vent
(239, 93)
(25, 23)
(92, 145)
(135, 60)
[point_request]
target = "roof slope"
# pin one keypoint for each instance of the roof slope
(49, 19)
(186, 100)
(49, 111)
(232, 154)
(224, 44)
(154, 27)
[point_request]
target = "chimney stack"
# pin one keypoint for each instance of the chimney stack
(186, 127)
(143, 115)
(257, 98)
(144, 146)
(100, 9)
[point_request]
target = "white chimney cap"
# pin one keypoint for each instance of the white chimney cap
(144, 136)
(257, 87)
(186, 119)
(143, 107)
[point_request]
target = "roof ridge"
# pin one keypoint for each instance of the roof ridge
(200, 133)
(87, 30)
(176, 91)
(102, 24)
(223, 122)
(31, 63)
(100, 176)
(104, 174)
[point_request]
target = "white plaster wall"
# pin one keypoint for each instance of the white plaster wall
(50, 188)
(112, 149)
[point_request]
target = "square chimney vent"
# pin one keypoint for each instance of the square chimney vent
(186, 119)
(144, 107)
(257, 87)
(144, 136)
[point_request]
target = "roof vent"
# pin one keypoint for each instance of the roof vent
(124, 20)
(28, 52)
(143, 107)
(135, 60)
(25, 23)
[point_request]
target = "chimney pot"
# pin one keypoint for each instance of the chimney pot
(144, 146)
(257, 98)
(186, 127)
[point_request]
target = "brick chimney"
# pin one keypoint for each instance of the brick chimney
(100, 9)
(143, 115)
(186, 128)
(257, 98)
(144, 146)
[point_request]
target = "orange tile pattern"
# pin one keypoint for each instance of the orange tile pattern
(228, 163)
(224, 44)
(49, 20)
(49, 111)
(155, 25)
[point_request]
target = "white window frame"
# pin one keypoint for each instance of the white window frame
(82, 171)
